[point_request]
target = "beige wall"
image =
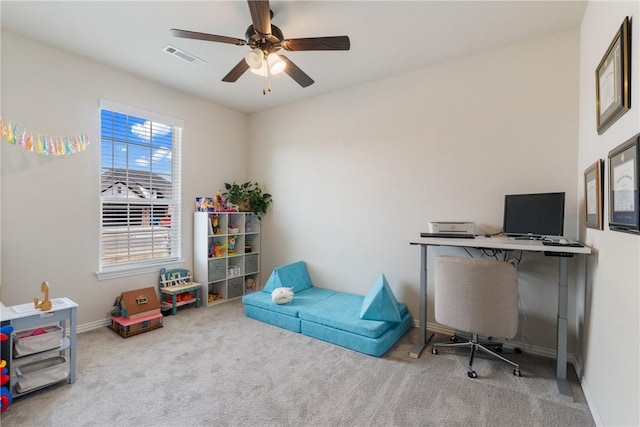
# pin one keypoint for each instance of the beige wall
(50, 205)
(610, 335)
(356, 174)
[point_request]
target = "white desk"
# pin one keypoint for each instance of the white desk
(506, 244)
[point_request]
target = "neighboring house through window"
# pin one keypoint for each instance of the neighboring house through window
(139, 190)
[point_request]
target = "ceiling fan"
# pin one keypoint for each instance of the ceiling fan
(265, 39)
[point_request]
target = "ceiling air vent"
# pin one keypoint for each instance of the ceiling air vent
(172, 50)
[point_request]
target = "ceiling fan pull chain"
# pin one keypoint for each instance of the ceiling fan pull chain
(267, 78)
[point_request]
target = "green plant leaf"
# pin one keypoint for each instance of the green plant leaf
(249, 192)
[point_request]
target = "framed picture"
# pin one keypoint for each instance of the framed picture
(593, 195)
(613, 85)
(624, 168)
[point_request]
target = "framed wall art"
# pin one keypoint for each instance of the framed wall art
(593, 195)
(613, 79)
(624, 187)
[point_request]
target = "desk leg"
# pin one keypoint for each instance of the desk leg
(423, 340)
(562, 325)
(73, 324)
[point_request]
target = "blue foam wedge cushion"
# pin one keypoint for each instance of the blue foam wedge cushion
(293, 275)
(272, 283)
(380, 303)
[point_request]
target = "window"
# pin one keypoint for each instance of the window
(139, 190)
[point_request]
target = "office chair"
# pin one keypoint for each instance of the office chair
(476, 296)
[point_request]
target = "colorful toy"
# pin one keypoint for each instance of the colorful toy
(4, 374)
(215, 225)
(6, 398)
(185, 296)
(218, 204)
(214, 296)
(231, 245)
(218, 250)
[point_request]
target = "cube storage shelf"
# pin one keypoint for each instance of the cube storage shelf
(226, 254)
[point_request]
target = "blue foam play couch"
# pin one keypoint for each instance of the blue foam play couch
(369, 324)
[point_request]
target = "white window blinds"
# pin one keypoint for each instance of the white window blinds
(140, 172)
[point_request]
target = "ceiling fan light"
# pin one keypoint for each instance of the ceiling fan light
(261, 70)
(254, 59)
(276, 65)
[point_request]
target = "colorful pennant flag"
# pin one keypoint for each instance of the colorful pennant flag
(40, 143)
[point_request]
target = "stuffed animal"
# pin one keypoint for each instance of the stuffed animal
(282, 295)
(218, 204)
(250, 284)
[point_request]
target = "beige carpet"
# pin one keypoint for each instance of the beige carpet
(215, 367)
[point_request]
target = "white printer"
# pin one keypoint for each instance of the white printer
(452, 227)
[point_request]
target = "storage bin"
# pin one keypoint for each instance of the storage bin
(217, 269)
(251, 263)
(25, 343)
(235, 287)
(41, 373)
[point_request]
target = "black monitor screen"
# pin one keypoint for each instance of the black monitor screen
(540, 214)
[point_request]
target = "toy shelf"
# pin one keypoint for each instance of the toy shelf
(178, 285)
(42, 364)
(167, 305)
(226, 254)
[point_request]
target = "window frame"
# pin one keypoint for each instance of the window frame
(174, 260)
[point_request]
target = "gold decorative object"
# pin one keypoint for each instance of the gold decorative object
(45, 305)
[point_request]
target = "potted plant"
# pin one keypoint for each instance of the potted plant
(248, 197)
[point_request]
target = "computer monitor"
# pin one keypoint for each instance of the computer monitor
(533, 215)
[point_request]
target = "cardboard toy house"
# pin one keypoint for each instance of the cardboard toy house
(136, 312)
(139, 303)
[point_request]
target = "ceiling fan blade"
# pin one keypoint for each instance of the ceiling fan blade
(236, 72)
(317, 43)
(260, 16)
(206, 37)
(296, 73)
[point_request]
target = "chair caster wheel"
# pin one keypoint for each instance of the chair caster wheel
(434, 350)
(453, 338)
(517, 350)
(472, 374)
(498, 349)
(517, 372)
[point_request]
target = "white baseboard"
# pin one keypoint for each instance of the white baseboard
(93, 325)
(590, 403)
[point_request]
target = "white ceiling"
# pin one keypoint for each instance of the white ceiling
(387, 38)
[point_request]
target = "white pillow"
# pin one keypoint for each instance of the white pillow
(282, 295)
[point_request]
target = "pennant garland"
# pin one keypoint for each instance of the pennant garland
(43, 144)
